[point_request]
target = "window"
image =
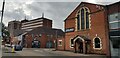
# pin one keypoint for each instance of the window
(60, 43)
(49, 36)
(32, 35)
(72, 43)
(87, 19)
(114, 25)
(114, 33)
(116, 43)
(97, 43)
(113, 17)
(40, 35)
(78, 21)
(83, 20)
(15, 25)
(114, 21)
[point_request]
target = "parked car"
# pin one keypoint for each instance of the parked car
(18, 48)
(35, 44)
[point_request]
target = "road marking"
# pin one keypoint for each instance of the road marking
(36, 50)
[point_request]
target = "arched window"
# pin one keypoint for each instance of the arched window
(78, 21)
(97, 43)
(87, 18)
(83, 20)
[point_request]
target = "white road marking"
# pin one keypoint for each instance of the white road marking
(36, 50)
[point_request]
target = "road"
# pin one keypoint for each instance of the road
(45, 53)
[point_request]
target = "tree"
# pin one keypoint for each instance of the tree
(5, 33)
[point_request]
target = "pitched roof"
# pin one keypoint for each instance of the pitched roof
(114, 3)
(79, 5)
(46, 30)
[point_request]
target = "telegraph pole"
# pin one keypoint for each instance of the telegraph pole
(2, 12)
(2, 20)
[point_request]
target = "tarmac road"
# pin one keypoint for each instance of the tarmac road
(45, 53)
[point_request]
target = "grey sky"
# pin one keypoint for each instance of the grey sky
(55, 10)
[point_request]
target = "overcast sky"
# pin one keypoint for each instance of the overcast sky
(52, 9)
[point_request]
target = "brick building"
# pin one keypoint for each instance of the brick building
(46, 36)
(12, 26)
(86, 29)
(93, 28)
(113, 12)
(28, 25)
(40, 29)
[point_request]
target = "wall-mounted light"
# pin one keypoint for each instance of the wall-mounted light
(40, 35)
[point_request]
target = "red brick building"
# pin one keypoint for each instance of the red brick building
(35, 33)
(46, 36)
(86, 29)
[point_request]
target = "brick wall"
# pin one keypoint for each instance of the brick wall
(43, 40)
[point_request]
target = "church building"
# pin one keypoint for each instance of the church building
(86, 29)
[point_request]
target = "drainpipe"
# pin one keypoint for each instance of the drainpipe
(64, 37)
(64, 42)
(107, 13)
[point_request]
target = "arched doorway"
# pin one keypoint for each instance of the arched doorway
(81, 44)
(78, 45)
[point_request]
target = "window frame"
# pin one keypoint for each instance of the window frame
(87, 18)
(59, 42)
(80, 21)
(82, 14)
(94, 43)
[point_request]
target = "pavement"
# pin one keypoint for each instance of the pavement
(0, 52)
(44, 52)
(6, 51)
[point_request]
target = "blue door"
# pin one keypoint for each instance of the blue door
(49, 44)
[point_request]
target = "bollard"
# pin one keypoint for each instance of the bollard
(13, 49)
